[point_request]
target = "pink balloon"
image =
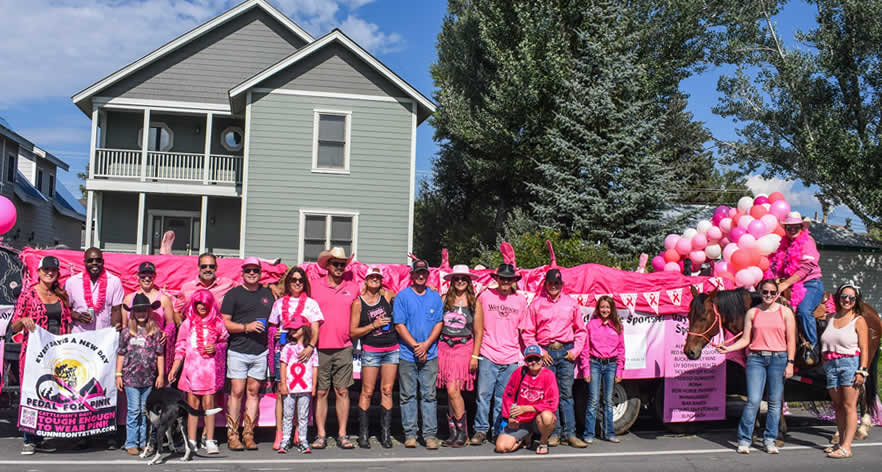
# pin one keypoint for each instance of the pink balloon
(747, 242)
(770, 222)
(672, 267)
(699, 242)
(736, 234)
(757, 274)
(733, 212)
(8, 215)
(728, 250)
(724, 242)
(715, 234)
(760, 200)
(671, 241)
(726, 225)
(757, 229)
(722, 209)
(698, 258)
(721, 267)
(717, 218)
(684, 246)
(744, 221)
(780, 209)
(744, 278)
(658, 263)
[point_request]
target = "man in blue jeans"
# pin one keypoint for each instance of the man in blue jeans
(417, 317)
(504, 309)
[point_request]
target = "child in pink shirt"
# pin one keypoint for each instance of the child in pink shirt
(201, 347)
(298, 383)
(603, 362)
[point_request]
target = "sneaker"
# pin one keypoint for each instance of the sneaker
(282, 449)
(304, 448)
(771, 447)
(478, 438)
(433, 443)
(743, 449)
(28, 449)
(588, 441)
(211, 446)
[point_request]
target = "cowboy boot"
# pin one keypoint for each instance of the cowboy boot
(453, 432)
(386, 429)
(248, 434)
(364, 440)
(463, 431)
(233, 441)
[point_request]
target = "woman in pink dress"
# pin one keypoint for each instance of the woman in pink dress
(201, 347)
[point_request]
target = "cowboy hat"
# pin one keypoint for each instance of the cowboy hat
(507, 271)
(334, 253)
(141, 301)
(460, 269)
(795, 218)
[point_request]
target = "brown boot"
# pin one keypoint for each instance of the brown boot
(248, 434)
(233, 435)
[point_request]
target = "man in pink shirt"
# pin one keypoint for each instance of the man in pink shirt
(208, 279)
(334, 296)
(504, 309)
(554, 322)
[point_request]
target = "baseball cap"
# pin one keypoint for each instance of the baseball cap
(553, 275)
(418, 265)
(49, 262)
(374, 270)
(532, 350)
(297, 322)
(146, 268)
(251, 261)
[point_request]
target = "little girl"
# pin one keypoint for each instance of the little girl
(298, 382)
(603, 362)
(201, 346)
(140, 365)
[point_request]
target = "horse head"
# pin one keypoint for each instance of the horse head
(702, 323)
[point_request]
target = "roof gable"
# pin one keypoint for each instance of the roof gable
(82, 99)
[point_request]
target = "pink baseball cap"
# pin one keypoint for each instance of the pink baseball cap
(251, 261)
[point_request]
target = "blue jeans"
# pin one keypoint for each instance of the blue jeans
(763, 372)
(422, 376)
(814, 293)
(136, 422)
(492, 379)
(601, 372)
(564, 370)
(31, 438)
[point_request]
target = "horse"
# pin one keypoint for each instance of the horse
(711, 314)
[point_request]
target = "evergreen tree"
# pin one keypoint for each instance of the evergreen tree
(607, 181)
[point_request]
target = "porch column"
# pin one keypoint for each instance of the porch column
(99, 218)
(209, 119)
(203, 216)
(145, 138)
(92, 143)
(140, 238)
(90, 196)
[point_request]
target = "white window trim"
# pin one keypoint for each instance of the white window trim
(346, 147)
(158, 124)
(224, 141)
(327, 214)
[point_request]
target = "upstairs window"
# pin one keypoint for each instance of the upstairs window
(232, 139)
(51, 186)
(11, 167)
(330, 149)
(40, 179)
(160, 137)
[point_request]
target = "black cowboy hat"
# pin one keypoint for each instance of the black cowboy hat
(141, 301)
(507, 271)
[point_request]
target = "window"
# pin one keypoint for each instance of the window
(232, 139)
(330, 148)
(11, 167)
(40, 179)
(324, 230)
(51, 186)
(160, 138)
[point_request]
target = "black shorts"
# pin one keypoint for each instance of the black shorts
(523, 430)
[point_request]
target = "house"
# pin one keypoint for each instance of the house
(47, 214)
(246, 135)
(847, 256)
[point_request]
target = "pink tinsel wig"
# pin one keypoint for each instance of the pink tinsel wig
(205, 297)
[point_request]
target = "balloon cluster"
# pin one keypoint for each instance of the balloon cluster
(739, 240)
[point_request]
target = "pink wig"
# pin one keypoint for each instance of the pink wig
(205, 297)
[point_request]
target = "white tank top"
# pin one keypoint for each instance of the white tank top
(842, 340)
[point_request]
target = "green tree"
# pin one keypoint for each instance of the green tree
(83, 176)
(810, 112)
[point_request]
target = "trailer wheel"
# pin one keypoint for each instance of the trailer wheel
(626, 398)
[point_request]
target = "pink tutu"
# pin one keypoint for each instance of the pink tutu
(453, 365)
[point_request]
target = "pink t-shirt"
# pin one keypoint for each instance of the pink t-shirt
(218, 289)
(299, 375)
(336, 305)
(114, 297)
(502, 316)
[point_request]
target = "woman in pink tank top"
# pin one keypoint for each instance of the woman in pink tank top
(770, 336)
(845, 347)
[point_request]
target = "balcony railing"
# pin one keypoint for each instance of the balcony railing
(168, 166)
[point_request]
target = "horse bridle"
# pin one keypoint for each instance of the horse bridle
(717, 323)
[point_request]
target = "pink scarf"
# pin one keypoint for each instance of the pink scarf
(786, 261)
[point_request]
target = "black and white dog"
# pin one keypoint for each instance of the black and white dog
(166, 410)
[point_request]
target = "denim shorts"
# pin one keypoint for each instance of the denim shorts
(840, 372)
(377, 359)
(241, 366)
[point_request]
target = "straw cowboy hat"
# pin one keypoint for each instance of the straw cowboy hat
(460, 269)
(334, 253)
(795, 218)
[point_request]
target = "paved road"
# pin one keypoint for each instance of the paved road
(645, 447)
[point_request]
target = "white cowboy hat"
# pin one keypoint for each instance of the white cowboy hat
(460, 269)
(795, 218)
(334, 253)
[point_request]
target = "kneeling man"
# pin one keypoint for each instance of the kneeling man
(528, 405)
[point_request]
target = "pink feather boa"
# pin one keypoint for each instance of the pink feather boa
(786, 261)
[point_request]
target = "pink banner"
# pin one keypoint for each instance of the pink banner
(694, 390)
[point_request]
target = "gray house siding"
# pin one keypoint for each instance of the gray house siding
(333, 69)
(280, 180)
(861, 268)
(205, 69)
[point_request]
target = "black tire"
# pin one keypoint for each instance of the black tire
(626, 398)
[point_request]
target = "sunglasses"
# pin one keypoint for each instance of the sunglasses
(849, 298)
(338, 264)
(507, 280)
(770, 292)
(251, 270)
(533, 360)
(146, 275)
(94, 260)
(461, 279)
(208, 266)
(295, 280)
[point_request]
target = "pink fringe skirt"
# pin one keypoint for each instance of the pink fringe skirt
(453, 365)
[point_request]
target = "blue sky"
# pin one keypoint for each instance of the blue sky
(79, 42)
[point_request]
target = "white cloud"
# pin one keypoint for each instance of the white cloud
(795, 193)
(53, 48)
